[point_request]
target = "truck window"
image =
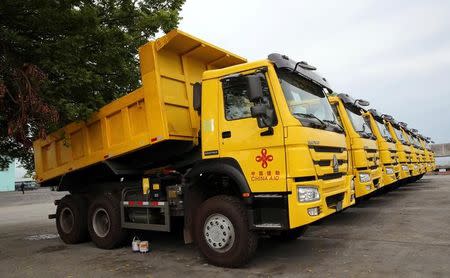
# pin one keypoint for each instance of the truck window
(237, 104)
(336, 113)
(383, 130)
(399, 134)
(359, 123)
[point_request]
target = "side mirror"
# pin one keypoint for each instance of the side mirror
(258, 110)
(263, 114)
(387, 117)
(362, 102)
(254, 88)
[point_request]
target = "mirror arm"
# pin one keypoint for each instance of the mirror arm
(267, 132)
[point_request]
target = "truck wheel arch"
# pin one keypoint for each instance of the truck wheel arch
(221, 166)
(194, 195)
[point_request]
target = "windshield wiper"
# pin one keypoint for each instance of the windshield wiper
(363, 131)
(365, 134)
(312, 116)
(335, 123)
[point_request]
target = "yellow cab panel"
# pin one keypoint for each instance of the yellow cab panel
(386, 146)
(363, 149)
(403, 149)
(414, 161)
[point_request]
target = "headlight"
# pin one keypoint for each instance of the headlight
(389, 170)
(415, 166)
(352, 185)
(364, 177)
(405, 167)
(307, 194)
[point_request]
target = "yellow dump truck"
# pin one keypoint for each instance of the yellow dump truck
(432, 155)
(403, 149)
(428, 159)
(414, 165)
(386, 147)
(426, 153)
(414, 135)
(234, 148)
(427, 141)
(363, 150)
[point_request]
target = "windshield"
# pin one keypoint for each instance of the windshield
(384, 131)
(400, 136)
(307, 101)
(360, 124)
(414, 140)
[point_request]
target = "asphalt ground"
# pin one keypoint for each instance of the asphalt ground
(402, 233)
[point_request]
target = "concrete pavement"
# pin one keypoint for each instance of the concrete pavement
(403, 233)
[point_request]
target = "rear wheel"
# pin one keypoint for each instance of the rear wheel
(104, 223)
(222, 232)
(71, 219)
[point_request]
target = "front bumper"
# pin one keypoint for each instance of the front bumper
(331, 192)
(404, 173)
(392, 178)
(423, 168)
(364, 188)
(414, 169)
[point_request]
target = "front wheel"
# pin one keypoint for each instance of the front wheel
(222, 232)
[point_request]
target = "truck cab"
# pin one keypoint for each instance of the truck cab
(284, 138)
(387, 148)
(414, 135)
(361, 142)
(403, 148)
(426, 151)
(428, 141)
(414, 167)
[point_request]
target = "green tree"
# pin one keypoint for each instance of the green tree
(61, 60)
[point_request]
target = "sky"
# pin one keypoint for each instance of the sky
(395, 54)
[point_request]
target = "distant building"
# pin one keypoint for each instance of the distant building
(29, 184)
(7, 177)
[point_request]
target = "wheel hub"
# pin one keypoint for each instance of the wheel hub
(101, 222)
(219, 232)
(67, 220)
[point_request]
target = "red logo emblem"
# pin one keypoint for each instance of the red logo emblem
(264, 158)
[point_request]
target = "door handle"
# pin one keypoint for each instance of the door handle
(226, 134)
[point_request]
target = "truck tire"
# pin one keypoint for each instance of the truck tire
(222, 232)
(291, 235)
(104, 223)
(71, 219)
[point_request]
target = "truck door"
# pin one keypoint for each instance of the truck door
(259, 152)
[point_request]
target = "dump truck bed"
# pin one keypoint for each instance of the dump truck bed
(159, 111)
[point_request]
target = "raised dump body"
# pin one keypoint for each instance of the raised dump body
(124, 133)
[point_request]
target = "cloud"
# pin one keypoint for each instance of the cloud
(394, 53)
